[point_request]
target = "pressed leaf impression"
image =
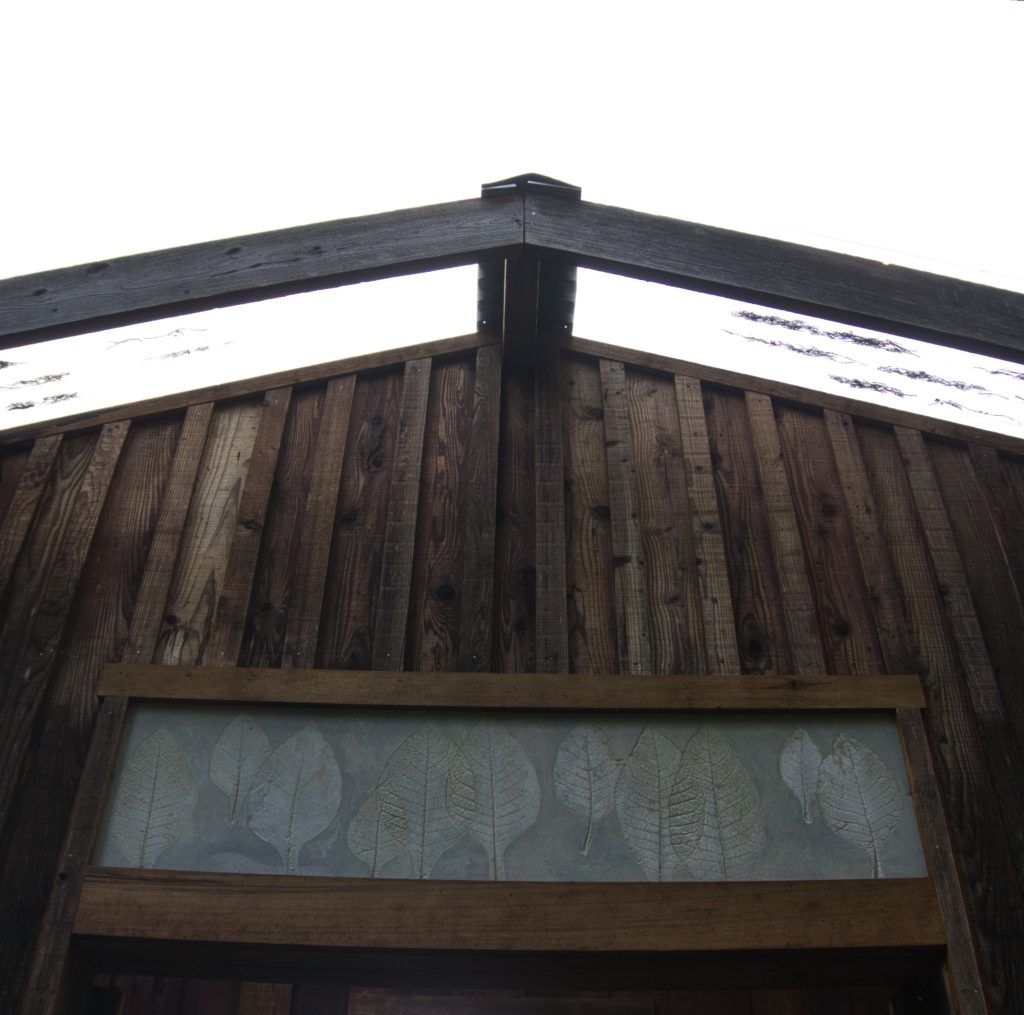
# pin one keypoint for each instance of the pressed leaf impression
(585, 774)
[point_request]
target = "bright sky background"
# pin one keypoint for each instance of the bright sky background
(889, 128)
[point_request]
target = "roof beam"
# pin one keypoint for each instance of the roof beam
(774, 273)
(181, 280)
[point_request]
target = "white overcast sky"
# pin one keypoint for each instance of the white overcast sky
(887, 128)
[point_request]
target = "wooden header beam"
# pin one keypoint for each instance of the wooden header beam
(529, 217)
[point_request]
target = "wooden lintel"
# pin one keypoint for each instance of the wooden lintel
(533, 692)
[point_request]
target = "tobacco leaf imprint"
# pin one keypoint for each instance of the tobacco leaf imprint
(237, 758)
(154, 800)
(733, 837)
(495, 795)
(858, 797)
(415, 805)
(799, 761)
(642, 801)
(585, 773)
(297, 793)
(378, 832)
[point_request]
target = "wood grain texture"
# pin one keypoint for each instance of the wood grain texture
(550, 517)
(389, 631)
(1002, 479)
(22, 503)
(632, 628)
(722, 653)
(478, 577)
(265, 999)
(12, 463)
(671, 568)
(232, 606)
(205, 545)
(845, 623)
(523, 691)
(590, 569)
(480, 916)
(516, 578)
(757, 601)
(436, 595)
(245, 268)
(360, 522)
(774, 273)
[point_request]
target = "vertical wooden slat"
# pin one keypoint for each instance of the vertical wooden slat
(790, 562)
(49, 978)
(209, 997)
(320, 999)
(1005, 501)
(894, 640)
(23, 504)
(630, 592)
(400, 538)
(13, 462)
(315, 543)
(232, 605)
(709, 547)
(265, 999)
(475, 632)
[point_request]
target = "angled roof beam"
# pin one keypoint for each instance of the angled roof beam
(181, 280)
(789, 276)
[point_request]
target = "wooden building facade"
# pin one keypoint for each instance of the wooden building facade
(608, 528)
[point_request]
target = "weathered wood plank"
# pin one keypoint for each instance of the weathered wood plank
(845, 623)
(482, 916)
(360, 522)
(209, 997)
(478, 578)
(722, 653)
(232, 605)
(550, 518)
(12, 464)
(1002, 479)
(314, 551)
(790, 563)
(990, 876)
(670, 565)
(854, 290)
(203, 555)
(515, 612)
(436, 594)
(630, 591)
(369, 688)
(265, 999)
(389, 631)
(21, 507)
(49, 976)
(246, 268)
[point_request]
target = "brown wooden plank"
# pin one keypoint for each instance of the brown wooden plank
(757, 601)
(12, 465)
(320, 999)
(524, 691)
(670, 564)
(781, 391)
(21, 507)
(436, 594)
(49, 976)
(209, 997)
(845, 623)
(246, 268)
(1002, 479)
(478, 578)
(630, 591)
(232, 606)
(586, 526)
(265, 999)
(482, 916)
(790, 561)
(515, 606)
(360, 523)
(389, 628)
(550, 518)
(205, 545)
(248, 386)
(973, 801)
(94, 633)
(314, 549)
(148, 995)
(722, 653)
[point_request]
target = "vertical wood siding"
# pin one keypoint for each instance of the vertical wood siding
(444, 515)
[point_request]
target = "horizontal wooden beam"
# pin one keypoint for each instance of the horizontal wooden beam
(774, 273)
(181, 280)
(473, 916)
(534, 692)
